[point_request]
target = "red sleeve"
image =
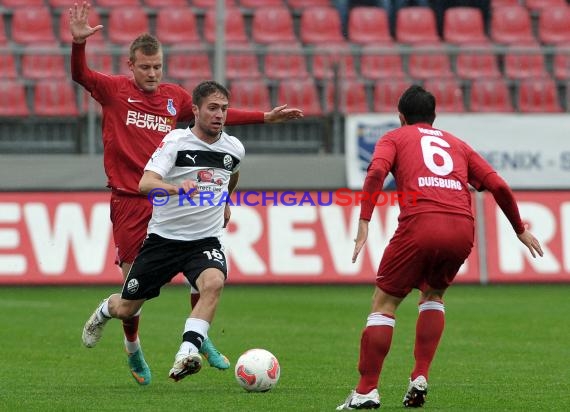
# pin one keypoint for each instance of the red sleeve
(382, 160)
(505, 199)
(478, 170)
(80, 72)
(236, 117)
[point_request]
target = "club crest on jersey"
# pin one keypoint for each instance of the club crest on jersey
(228, 162)
(170, 107)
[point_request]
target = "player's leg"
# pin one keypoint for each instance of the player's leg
(210, 283)
(429, 329)
(208, 350)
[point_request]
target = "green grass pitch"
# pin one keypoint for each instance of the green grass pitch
(505, 348)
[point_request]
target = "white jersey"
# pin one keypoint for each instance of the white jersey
(182, 156)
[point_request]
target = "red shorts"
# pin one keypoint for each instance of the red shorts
(426, 251)
(130, 215)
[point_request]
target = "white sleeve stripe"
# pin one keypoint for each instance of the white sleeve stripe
(431, 305)
(377, 319)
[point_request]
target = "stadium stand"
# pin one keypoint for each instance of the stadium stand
(416, 25)
(297, 51)
(369, 25)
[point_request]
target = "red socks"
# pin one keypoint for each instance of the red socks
(429, 328)
(131, 328)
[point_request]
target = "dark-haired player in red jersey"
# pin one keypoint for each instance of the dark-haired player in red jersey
(433, 238)
(138, 112)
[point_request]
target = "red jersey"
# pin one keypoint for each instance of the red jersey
(432, 168)
(134, 121)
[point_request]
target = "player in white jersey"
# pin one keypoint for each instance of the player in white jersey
(189, 178)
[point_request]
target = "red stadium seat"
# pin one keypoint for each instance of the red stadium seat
(511, 25)
(429, 62)
(252, 4)
(387, 93)
(369, 25)
(13, 99)
(185, 64)
(502, 3)
(561, 63)
(543, 5)
(126, 24)
(118, 3)
(477, 63)
(250, 95)
(538, 96)
(235, 26)
(40, 65)
(524, 63)
(94, 20)
(321, 25)
(3, 38)
(351, 97)
(22, 3)
(177, 26)
(32, 25)
(416, 25)
(553, 27)
(165, 3)
(100, 59)
(8, 64)
(490, 96)
(55, 98)
(448, 95)
(285, 61)
(300, 93)
(464, 25)
(191, 83)
(300, 4)
(381, 63)
(208, 4)
(331, 57)
(272, 25)
(241, 63)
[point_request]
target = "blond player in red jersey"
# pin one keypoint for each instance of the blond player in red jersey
(434, 237)
(138, 112)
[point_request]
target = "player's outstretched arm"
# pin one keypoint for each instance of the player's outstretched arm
(281, 114)
(360, 239)
(78, 24)
(531, 243)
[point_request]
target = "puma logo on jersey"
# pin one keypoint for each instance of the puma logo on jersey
(192, 158)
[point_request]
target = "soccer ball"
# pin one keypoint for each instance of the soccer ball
(257, 370)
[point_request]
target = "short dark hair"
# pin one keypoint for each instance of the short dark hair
(417, 105)
(147, 44)
(205, 89)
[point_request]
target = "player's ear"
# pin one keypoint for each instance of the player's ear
(402, 119)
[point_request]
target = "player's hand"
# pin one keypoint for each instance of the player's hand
(360, 238)
(531, 243)
(282, 114)
(78, 24)
(188, 185)
(227, 214)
